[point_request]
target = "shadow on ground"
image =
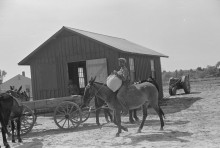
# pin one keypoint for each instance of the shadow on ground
(44, 132)
(177, 104)
(36, 143)
(169, 135)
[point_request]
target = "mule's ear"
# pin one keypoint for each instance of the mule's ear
(19, 88)
(90, 80)
(11, 87)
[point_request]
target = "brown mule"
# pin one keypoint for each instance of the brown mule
(137, 95)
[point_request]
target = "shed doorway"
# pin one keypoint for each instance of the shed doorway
(77, 73)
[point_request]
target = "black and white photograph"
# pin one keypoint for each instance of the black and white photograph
(109, 73)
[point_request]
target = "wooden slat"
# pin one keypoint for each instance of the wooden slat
(52, 102)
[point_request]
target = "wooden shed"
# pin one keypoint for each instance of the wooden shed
(77, 55)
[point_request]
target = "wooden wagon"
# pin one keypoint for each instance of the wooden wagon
(67, 112)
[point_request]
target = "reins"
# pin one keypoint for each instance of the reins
(97, 91)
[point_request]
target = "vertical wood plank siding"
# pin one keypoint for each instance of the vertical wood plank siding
(72, 47)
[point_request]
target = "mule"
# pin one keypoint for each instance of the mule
(143, 94)
(11, 108)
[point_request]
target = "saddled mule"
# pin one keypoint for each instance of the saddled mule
(11, 108)
(138, 95)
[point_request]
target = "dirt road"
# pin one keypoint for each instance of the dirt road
(191, 121)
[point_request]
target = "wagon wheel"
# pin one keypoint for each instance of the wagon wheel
(170, 91)
(27, 121)
(186, 84)
(173, 91)
(67, 115)
(85, 113)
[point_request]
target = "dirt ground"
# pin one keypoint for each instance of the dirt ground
(192, 120)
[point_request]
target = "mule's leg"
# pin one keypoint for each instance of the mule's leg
(130, 116)
(4, 138)
(106, 115)
(118, 123)
(19, 129)
(144, 109)
(13, 131)
(97, 117)
(110, 115)
(160, 114)
(135, 115)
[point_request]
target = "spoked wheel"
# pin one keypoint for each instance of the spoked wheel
(67, 115)
(85, 113)
(27, 121)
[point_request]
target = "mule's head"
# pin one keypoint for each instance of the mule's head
(14, 92)
(24, 96)
(17, 93)
(89, 92)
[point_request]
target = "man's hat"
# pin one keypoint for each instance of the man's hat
(122, 60)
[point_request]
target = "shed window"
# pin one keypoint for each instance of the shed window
(152, 65)
(81, 77)
(131, 64)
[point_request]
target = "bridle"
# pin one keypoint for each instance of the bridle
(15, 98)
(97, 91)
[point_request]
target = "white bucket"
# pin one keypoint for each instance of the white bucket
(113, 82)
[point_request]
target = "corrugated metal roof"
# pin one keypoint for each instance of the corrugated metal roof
(119, 43)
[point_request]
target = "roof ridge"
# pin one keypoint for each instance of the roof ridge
(94, 33)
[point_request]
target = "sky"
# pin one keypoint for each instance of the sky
(188, 31)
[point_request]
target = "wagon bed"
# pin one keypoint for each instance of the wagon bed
(67, 112)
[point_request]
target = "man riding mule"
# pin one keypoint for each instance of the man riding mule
(123, 74)
(137, 95)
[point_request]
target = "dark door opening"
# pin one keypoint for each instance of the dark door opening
(77, 73)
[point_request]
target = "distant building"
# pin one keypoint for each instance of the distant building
(17, 81)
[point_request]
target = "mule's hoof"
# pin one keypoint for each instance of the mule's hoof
(161, 129)
(139, 131)
(132, 121)
(7, 145)
(137, 119)
(126, 129)
(19, 140)
(117, 135)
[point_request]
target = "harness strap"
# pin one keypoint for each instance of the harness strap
(16, 100)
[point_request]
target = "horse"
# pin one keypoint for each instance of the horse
(143, 94)
(11, 108)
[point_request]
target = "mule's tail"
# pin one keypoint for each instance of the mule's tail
(161, 112)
